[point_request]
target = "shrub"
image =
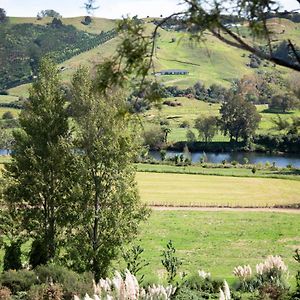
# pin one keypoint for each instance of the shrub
(201, 284)
(253, 170)
(163, 154)
(127, 287)
(185, 124)
(297, 258)
(70, 282)
(185, 293)
(18, 281)
(134, 261)
(271, 278)
(190, 136)
(87, 20)
(12, 257)
(244, 274)
(234, 162)
(170, 262)
(5, 293)
(154, 137)
(271, 291)
(164, 122)
(38, 253)
(246, 160)
(46, 292)
(7, 116)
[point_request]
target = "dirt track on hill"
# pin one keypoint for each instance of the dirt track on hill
(225, 209)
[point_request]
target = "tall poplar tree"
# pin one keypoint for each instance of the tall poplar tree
(110, 209)
(41, 174)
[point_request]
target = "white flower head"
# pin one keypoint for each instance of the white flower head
(227, 290)
(203, 274)
(222, 295)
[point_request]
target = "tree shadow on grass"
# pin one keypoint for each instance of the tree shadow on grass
(276, 112)
(289, 172)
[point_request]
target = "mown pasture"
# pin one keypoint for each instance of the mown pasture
(207, 190)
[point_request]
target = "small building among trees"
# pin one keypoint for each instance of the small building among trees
(172, 72)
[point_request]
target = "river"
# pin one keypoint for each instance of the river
(280, 160)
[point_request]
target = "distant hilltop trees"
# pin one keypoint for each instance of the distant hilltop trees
(48, 13)
(3, 17)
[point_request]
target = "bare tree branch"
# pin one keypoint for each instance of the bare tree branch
(240, 43)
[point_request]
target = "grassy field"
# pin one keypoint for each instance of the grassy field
(7, 98)
(216, 241)
(198, 186)
(193, 190)
(190, 109)
(234, 172)
(219, 241)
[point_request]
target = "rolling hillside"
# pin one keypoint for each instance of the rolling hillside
(210, 61)
(25, 40)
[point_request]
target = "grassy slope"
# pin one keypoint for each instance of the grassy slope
(211, 61)
(191, 190)
(219, 241)
(88, 58)
(96, 26)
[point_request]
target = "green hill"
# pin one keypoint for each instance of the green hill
(25, 40)
(210, 61)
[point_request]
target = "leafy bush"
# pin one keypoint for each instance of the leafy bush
(271, 291)
(46, 292)
(12, 257)
(87, 20)
(190, 136)
(18, 281)
(283, 143)
(70, 282)
(297, 258)
(38, 253)
(170, 262)
(203, 284)
(7, 115)
(234, 163)
(154, 137)
(134, 261)
(186, 293)
(185, 124)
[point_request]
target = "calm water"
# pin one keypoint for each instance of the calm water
(212, 157)
(253, 157)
